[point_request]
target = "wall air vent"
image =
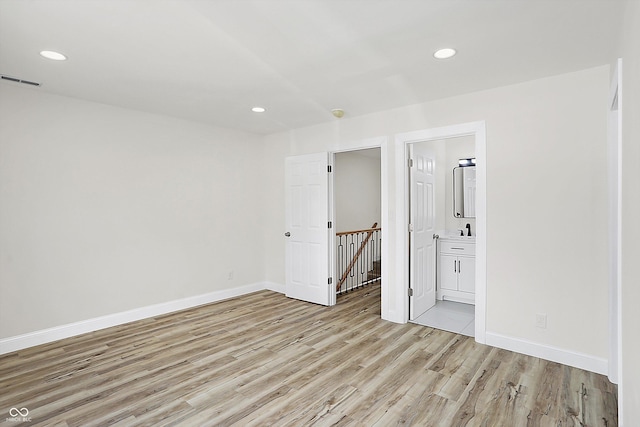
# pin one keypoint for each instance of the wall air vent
(16, 80)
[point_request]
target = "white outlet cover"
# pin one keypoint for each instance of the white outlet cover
(541, 320)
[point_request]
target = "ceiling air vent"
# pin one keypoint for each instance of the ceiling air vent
(16, 80)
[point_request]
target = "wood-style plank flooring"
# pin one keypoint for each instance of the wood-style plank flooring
(266, 360)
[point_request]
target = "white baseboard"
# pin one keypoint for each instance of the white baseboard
(554, 354)
(8, 345)
(275, 287)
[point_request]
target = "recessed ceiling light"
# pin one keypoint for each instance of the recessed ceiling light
(338, 112)
(56, 56)
(258, 109)
(444, 53)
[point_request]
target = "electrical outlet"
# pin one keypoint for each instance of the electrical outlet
(541, 321)
(230, 275)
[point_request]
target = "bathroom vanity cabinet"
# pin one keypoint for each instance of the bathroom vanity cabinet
(456, 270)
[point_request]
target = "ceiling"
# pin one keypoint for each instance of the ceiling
(211, 61)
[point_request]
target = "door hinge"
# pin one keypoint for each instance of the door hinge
(410, 292)
(410, 228)
(329, 168)
(410, 163)
(330, 280)
(330, 224)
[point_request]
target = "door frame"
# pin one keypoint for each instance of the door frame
(364, 144)
(614, 141)
(400, 284)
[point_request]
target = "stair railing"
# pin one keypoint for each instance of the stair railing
(364, 265)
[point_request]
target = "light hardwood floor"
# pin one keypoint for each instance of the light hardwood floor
(266, 360)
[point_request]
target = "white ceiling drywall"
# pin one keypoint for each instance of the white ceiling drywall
(211, 61)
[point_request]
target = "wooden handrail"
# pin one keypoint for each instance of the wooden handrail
(355, 257)
(372, 229)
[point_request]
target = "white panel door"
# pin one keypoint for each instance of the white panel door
(422, 217)
(306, 228)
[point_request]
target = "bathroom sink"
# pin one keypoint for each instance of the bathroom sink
(456, 235)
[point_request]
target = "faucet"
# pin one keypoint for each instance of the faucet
(468, 229)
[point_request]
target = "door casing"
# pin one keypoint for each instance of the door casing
(364, 144)
(615, 227)
(399, 285)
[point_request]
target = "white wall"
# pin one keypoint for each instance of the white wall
(551, 258)
(106, 210)
(356, 190)
(630, 52)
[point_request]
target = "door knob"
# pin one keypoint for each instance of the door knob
(287, 234)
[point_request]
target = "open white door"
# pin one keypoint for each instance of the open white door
(307, 233)
(422, 219)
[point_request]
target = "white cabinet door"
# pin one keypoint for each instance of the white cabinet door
(449, 272)
(466, 274)
(306, 222)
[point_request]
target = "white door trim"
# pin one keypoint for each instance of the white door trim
(615, 226)
(332, 231)
(363, 144)
(397, 289)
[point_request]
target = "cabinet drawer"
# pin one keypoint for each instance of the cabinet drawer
(457, 248)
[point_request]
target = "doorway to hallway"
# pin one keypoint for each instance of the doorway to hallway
(357, 219)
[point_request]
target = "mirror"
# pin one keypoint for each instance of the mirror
(464, 192)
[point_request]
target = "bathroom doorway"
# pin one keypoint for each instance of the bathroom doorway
(401, 290)
(437, 204)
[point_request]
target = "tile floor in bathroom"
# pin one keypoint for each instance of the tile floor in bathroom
(450, 316)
